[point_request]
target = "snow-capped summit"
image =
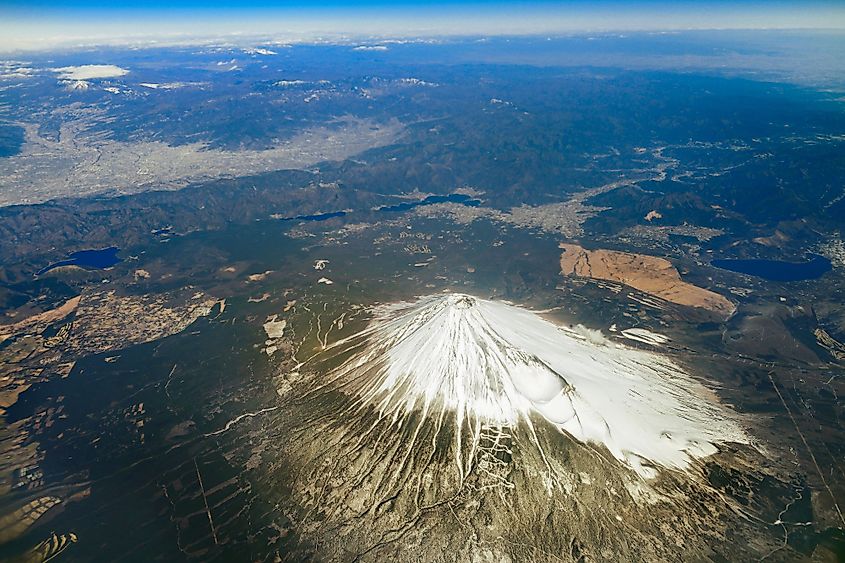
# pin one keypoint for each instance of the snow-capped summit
(490, 363)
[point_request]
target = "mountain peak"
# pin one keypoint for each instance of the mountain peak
(488, 363)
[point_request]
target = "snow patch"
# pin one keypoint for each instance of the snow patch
(290, 83)
(168, 85)
(259, 51)
(72, 85)
(645, 336)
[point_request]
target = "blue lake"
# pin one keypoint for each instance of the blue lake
(432, 199)
(315, 217)
(778, 270)
(88, 259)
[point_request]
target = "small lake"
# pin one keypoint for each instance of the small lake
(88, 259)
(778, 270)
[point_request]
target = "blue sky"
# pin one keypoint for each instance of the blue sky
(106, 7)
(29, 24)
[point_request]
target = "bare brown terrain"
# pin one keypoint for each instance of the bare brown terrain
(649, 274)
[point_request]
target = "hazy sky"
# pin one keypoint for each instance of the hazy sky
(32, 24)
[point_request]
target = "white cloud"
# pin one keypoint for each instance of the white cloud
(370, 48)
(15, 69)
(87, 72)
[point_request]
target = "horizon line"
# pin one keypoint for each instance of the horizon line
(23, 27)
(289, 38)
